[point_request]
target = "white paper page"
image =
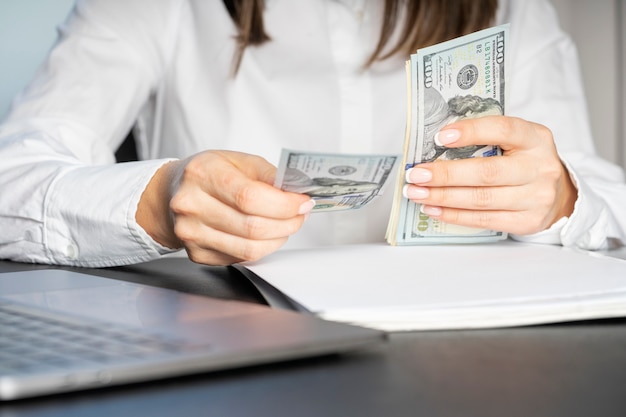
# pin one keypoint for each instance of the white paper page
(463, 285)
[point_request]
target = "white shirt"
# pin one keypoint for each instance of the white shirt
(164, 66)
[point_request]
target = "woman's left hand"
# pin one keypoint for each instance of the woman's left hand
(524, 191)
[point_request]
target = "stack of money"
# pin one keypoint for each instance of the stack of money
(460, 78)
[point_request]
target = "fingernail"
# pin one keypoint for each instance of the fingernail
(446, 137)
(418, 175)
(414, 193)
(431, 210)
(306, 207)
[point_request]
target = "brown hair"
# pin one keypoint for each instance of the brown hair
(426, 22)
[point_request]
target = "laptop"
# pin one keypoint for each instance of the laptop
(64, 331)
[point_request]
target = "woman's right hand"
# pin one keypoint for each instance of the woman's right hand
(221, 207)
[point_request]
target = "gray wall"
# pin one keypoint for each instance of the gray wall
(598, 28)
(27, 30)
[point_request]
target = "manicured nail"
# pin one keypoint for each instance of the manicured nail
(431, 210)
(415, 193)
(446, 137)
(307, 207)
(418, 175)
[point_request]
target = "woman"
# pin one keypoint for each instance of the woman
(248, 80)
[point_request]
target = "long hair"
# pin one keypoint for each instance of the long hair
(426, 22)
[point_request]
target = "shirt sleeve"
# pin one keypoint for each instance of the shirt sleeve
(65, 201)
(546, 87)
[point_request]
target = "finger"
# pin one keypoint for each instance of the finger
(212, 213)
(507, 132)
(245, 185)
(473, 198)
(213, 247)
(516, 222)
(253, 166)
(488, 171)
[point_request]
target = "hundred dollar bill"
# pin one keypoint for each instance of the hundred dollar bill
(334, 181)
(458, 79)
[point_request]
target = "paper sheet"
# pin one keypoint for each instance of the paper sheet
(449, 286)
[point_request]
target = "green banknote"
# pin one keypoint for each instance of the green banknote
(334, 181)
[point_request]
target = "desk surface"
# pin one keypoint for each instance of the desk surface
(576, 369)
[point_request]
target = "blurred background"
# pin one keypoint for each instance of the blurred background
(28, 30)
(599, 29)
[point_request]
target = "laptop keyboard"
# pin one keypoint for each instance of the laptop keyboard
(31, 340)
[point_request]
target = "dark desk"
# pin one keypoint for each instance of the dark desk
(558, 370)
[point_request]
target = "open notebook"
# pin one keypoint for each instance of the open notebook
(447, 286)
(64, 331)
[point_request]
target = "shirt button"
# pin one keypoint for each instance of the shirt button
(71, 251)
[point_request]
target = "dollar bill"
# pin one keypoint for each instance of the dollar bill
(457, 79)
(334, 181)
